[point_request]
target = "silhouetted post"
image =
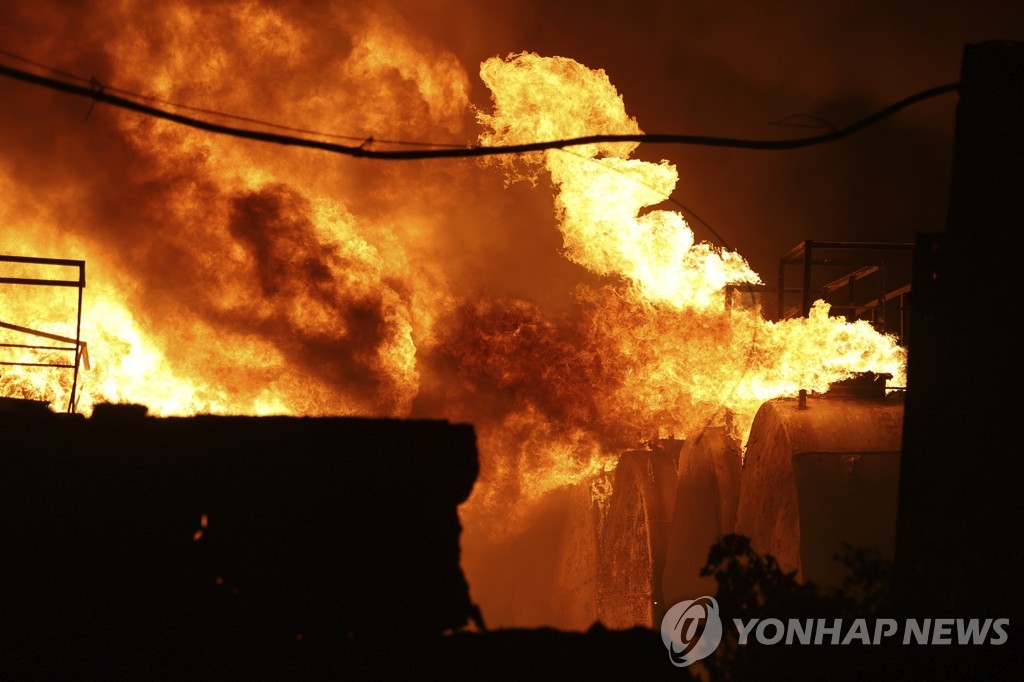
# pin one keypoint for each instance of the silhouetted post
(959, 540)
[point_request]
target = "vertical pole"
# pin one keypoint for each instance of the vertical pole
(78, 339)
(782, 289)
(880, 319)
(805, 305)
(851, 312)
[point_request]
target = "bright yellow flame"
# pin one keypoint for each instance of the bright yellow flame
(602, 191)
(677, 353)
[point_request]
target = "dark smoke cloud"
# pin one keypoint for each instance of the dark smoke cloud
(291, 264)
(509, 353)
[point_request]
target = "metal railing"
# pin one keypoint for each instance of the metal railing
(74, 345)
(867, 268)
(871, 270)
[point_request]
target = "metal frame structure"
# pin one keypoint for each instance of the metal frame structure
(809, 254)
(77, 346)
(803, 254)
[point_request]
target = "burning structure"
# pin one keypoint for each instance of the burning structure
(256, 286)
(650, 352)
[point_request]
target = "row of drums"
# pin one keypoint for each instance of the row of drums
(814, 477)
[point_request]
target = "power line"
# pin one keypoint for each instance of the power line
(93, 83)
(363, 139)
(99, 94)
(235, 117)
(44, 67)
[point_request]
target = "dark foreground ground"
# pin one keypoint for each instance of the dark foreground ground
(284, 548)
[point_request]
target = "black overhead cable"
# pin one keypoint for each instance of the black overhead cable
(98, 93)
(93, 83)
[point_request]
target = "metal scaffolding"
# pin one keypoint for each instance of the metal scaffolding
(72, 345)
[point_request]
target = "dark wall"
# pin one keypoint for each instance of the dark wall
(171, 541)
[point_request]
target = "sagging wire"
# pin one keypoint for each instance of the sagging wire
(93, 82)
(106, 95)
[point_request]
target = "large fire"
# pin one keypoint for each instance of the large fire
(230, 277)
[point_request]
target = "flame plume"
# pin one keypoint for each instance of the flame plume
(658, 353)
(601, 190)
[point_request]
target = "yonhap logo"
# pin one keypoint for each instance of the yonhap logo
(691, 630)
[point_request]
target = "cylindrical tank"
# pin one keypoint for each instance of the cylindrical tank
(574, 594)
(818, 477)
(612, 547)
(634, 538)
(705, 509)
